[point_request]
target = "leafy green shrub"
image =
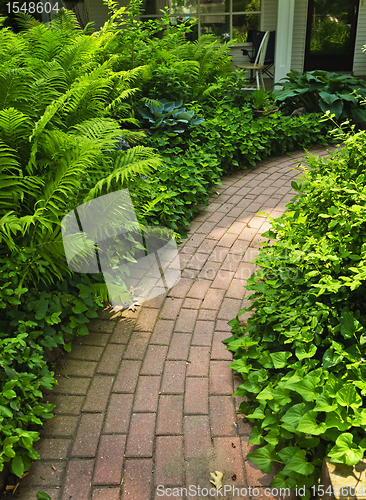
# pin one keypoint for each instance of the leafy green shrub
(262, 100)
(23, 376)
(229, 138)
(319, 90)
(168, 118)
(170, 195)
(229, 89)
(195, 66)
(238, 140)
(302, 354)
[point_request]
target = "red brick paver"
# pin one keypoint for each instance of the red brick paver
(144, 401)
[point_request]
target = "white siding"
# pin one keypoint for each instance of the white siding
(269, 15)
(359, 62)
(299, 35)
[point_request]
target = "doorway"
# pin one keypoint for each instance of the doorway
(331, 35)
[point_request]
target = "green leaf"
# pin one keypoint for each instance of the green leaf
(40, 308)
(308, 388)
(266, 394)
(331, 358)
(272, 437)
(294, 414)
(327, 97)
(17, 466)
(10, 394)
(256, 436)
(309, 425)
(346, 451)
(305, 351)
(324, 403)
(263, 457)
(279, 359)
(340, 422)
(348, 396)
(348, 326)
(299, 464)
(82, 330)
(41, 495)
(5, 412)
(287, 453)
(335, 108)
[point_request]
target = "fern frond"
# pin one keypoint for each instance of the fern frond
(66, 20)
(25, 21)
(76, 54)
(147, 207)
(15, 88)
(135, 161)
(9, 226)
(101, 290)
(14, 125)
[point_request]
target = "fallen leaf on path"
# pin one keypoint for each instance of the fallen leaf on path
(217, 479)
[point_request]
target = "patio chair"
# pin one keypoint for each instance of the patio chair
(259, 64)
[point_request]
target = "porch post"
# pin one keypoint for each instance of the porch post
(285, 24)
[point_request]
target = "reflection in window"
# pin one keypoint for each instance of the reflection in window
(223, 18)
(242, 24)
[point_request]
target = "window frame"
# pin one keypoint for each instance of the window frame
(200, 14)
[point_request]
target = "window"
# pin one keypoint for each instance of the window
(227, 19)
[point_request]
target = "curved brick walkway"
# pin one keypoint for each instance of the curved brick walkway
(147, 397)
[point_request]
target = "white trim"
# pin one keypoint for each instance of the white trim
(284, 35)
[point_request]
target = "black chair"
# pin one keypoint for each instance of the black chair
(269, 57)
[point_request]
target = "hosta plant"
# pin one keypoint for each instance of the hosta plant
(168, 118)
(341, 95)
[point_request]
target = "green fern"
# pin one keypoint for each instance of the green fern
(57, 98)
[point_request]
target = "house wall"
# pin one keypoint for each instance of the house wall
(359, 61)
(269, 22)
(299, 35)
(269, 15)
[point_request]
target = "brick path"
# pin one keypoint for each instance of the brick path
(146, 397)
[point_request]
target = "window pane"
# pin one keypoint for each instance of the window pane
(217, 25)
(331, 28)
(208, 6)
(181, 7)
(246, 5)
(152, 7)
(242, 24)
(177, 7)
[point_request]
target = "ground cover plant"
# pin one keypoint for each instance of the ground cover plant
(194, 160)
(302, 354)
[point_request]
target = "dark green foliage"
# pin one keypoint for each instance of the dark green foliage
(182, 70)
(170, 195)
(302, 354)
(341, 95)
(238, 140)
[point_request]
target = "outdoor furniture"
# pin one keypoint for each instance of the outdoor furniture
(263, 59)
